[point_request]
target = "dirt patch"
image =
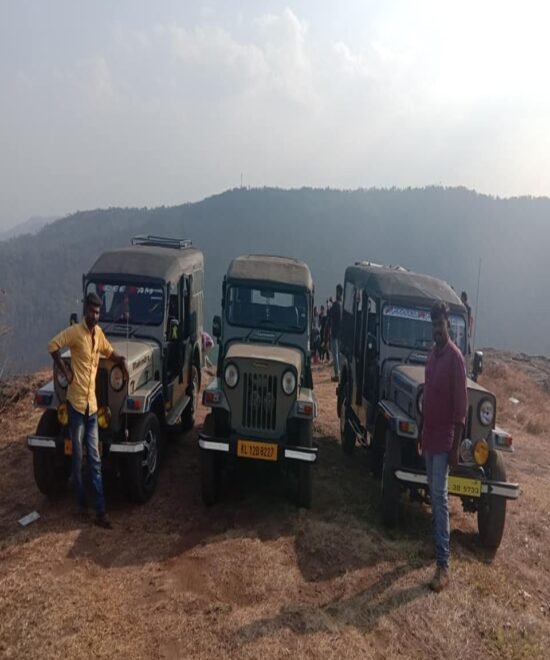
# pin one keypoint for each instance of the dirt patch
(255, 577)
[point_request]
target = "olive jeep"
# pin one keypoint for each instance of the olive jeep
(386, 339)
(151, 312)
(261, 400)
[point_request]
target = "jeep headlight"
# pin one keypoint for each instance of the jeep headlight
(486, 412)
(116, 378)
(60, 378)
(288, 383)
(467, 451)
(231, 376)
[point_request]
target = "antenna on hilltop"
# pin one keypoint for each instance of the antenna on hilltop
(477, 305)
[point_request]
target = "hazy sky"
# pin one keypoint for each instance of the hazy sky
(109, 103)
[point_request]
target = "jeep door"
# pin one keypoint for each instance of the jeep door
(179, 351)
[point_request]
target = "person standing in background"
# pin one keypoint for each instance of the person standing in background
(335, 323)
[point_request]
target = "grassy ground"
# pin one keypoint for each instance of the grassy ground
(255, 577)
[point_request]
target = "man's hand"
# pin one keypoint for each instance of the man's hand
(420, 438)
(453, 453)
(121, 361)
(453, 457)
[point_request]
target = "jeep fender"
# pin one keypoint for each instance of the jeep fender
(143, 399)
(397, 421)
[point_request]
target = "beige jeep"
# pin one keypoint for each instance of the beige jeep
(261, 400)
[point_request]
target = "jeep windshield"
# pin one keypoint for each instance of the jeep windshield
(412, 328)
(266, 307)
(129, 303)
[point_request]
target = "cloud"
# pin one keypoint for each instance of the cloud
(167, 110)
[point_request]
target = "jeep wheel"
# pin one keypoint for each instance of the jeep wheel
(51, 471)
(211, 468)
(391, 489)
(139, 472)
(299, 474)
(210, 477)
(491, 515)
(188, 415)
(347, 436)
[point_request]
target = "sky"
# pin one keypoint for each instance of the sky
(138, 103)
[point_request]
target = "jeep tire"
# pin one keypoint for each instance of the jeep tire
(391, 489)
(299, 474)
(491, 515)
(210, 467)
(51, 470)
(188, 415)
(139, 472)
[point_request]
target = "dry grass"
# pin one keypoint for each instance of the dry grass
(255, 577)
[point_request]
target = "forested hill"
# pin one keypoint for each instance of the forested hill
(438, 231)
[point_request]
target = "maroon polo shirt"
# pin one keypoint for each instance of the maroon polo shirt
(445, 398)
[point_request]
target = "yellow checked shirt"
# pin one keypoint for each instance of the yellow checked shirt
(85, 353)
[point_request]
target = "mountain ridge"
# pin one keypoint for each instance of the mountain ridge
(440, 231)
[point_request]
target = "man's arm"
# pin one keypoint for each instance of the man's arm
(62, 340)
(460, 405)
(107, 350)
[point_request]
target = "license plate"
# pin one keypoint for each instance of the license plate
(68, 448)
(464, 486)
(262, 451)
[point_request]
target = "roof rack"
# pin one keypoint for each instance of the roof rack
(163, 241)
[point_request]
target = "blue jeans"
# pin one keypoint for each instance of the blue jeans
(83, 430)
(437, 469)
(335, 348)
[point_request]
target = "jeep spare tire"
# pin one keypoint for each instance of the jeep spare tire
(139, 472)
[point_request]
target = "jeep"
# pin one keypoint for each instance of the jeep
(261, 401)
(386, 339)
(151, 312)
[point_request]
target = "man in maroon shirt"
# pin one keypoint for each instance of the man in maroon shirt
(443, 416)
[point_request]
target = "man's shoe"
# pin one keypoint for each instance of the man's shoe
(101, 520)
(440, 580)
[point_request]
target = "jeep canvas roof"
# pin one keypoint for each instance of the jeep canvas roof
(269, 268)
(415, 288)
(145, 260)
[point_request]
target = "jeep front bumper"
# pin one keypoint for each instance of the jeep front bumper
(229, 446)
(509, 491)
(45, 442)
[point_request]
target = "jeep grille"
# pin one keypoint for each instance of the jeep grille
(259, 402)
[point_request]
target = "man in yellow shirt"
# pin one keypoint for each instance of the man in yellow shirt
(86, 342)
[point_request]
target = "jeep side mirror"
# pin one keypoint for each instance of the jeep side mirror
(478, 365)
(217, 327)
(73, 320)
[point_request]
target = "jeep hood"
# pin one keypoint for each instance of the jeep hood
(415, 375)
(263, 353)
(139, 352)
